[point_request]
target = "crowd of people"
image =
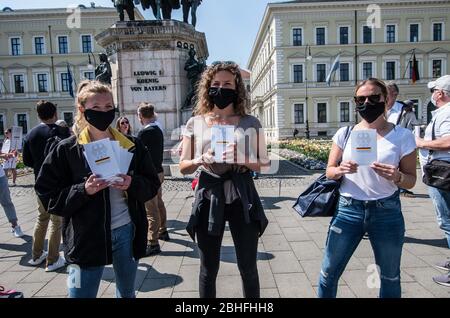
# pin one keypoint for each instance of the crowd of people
(118, 222)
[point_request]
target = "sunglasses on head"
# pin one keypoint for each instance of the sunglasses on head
(361, 100)
(223, 62)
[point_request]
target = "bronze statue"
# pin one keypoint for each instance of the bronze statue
(166, 6)
(191, 5)
(122, 5)
(103, 71)
(194, 70)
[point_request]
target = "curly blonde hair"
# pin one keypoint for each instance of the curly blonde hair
(85, 90)
(205, 105)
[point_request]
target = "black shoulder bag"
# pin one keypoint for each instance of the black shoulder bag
(436, 172)
(320, 199)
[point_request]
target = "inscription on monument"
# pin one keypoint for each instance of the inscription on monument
(148, 77)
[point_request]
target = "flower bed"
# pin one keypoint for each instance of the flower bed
(309, 154)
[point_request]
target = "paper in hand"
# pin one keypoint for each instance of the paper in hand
(221, 137)
(16, 138)
(364, 146)
(102, 159)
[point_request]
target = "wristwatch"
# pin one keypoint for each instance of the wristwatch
(402, 178)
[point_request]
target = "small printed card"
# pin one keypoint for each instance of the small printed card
(364, 146)
(221, 137)
(16, 138)
(107, 159)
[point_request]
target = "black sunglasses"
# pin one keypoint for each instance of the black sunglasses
(223, 62)
(124, 122)
(361, 100)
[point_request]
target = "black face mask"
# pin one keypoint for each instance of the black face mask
(371, 111)
(222, 97)
(98, 119)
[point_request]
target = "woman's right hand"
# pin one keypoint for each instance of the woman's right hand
(95, 184)
(206, 159)
(347, 167)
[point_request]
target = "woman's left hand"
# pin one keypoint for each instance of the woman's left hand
(388, 172)
(124, 185)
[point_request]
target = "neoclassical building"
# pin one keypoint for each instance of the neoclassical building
(298, 41)
(37, 48)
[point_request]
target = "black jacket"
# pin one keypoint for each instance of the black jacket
(87, 219)
(153, 138)
(251, 203)
(35, 141)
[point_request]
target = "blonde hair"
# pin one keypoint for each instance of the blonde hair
(85, 90)
(119, 120)
(205, 105)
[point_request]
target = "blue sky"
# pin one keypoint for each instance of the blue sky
(230, 25)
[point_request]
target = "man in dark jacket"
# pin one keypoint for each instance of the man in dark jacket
(33, 156)
(153, 139)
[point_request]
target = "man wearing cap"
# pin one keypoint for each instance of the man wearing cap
(440, 90)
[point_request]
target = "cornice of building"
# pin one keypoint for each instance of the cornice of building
(61, 13)
(324, 5)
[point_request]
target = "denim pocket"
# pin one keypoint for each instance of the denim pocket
(392, 203)
(344, 201)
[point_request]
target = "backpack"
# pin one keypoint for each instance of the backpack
(53, 140)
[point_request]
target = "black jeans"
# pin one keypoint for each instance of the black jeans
(245, 238)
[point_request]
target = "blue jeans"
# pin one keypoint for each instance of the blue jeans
(383, 221)
(5, 200)
(84, 282)
(441, 201)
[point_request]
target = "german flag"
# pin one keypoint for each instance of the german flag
(414, 70)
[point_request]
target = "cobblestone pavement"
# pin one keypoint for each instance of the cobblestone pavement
(290, 251)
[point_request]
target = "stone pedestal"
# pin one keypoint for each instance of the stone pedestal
(147, 60)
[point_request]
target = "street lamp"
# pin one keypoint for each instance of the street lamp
(308, 57)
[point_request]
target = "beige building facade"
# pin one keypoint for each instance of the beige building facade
(37, 47)
(298, 41)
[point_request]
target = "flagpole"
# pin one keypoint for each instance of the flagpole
(409, 62)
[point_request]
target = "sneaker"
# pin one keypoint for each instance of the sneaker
(365, 236)
(10, 293)
(153, 250)
(61, 262)
(17, 231)
(445, 266)
(38, 261)
(443, 280)
(164, 236)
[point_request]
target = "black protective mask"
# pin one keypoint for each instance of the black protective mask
(371, 111)
(222, 97)
(98, 119)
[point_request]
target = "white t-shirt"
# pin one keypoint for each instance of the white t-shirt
(366, 184)
(394, 113)
(441, 117)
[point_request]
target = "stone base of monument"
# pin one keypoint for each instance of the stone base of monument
(147, 61)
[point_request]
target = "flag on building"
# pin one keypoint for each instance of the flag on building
(70, 80)
(415, 76)
(333, 69)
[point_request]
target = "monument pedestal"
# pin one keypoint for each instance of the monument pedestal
(147, 61)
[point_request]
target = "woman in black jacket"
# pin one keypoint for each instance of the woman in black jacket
(103, 223)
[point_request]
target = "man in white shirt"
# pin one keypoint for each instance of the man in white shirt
(393, 107)
(394, 112)
(440, 97)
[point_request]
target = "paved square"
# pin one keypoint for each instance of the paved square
(290, 251)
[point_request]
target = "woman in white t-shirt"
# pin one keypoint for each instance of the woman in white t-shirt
(369, 197)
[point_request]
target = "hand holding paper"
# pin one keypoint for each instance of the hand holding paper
(108, 160)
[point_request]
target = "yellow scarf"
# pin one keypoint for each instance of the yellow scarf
(124, 142)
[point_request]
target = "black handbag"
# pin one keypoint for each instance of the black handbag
(436, 173)
(320, 199)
